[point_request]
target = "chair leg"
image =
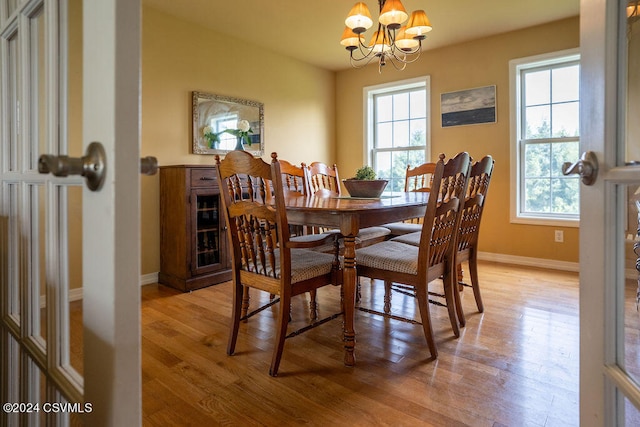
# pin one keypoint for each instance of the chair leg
(281, 333)
(473, 272)
(458, 302)
(448, 285)
(387, 296)
(460, 276)
(245, 302)
(423, 305)
(313, 305)
(238, 292)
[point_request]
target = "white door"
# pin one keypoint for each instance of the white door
(69, 75)
(610, 127)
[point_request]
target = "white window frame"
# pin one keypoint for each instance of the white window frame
(369, 93)
(515, 119)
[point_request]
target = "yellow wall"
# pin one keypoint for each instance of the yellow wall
(313, 114)
(478, 63)
(179, 57)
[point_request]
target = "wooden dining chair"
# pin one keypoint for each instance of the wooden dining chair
(467, 245)
(453, 186)
(323, 178)
(479, 179)
(293, 178)
(263, 256)
(417, 266)
(419, 178)
(295, 183)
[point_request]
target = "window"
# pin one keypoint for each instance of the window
(546, 133)
(397, 131)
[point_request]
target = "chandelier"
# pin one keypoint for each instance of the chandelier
(392, 42)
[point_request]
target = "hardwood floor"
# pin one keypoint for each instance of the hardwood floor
(514, 365)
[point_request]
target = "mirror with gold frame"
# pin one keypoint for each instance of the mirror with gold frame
(217, 119)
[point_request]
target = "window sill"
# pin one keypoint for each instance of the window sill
(549, 222)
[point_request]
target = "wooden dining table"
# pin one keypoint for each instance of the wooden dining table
(349, 215)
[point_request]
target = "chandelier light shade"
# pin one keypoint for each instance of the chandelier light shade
(391, 42)
(393, 14)
(359, 19)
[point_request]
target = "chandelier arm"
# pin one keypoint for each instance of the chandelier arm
(362, 48)
(361, 62)
(405, 58)
(398, 64)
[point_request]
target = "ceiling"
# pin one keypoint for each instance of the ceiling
(310, 30)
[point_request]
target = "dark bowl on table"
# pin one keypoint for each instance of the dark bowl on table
(371, 188)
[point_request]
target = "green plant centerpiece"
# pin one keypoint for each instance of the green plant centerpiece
(365, 173)
(364, 183)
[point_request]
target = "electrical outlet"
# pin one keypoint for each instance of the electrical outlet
(559, 236)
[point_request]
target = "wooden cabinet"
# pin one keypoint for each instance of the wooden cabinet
(193, 240)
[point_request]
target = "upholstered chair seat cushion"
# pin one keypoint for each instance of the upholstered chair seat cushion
(305, 264)
(409, 239)
(390, 256)
(400, 228)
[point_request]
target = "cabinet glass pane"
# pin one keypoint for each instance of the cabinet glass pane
(208, 230)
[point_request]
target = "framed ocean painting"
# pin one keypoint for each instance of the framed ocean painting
(469, 106)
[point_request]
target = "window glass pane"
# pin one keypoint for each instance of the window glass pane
(565, 121)
(384, 108)
(418, 104)
(384, 135)
(37, 261)
(418, 129)
(566, 84)
(12, 101)
(537, 195)
(536, 160)
(565, 195)
(631, 414)
(11, 214)
(563, 152)
(401, 106)
(72, 203)
(37, 105)
(383, 164)
(537, 87)
(415, 158)
(538, 122)
(631, 81)
(401, 134)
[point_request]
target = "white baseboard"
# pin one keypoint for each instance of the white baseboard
(529, 262)
(629, 273)
(76, 293)
(147, 279)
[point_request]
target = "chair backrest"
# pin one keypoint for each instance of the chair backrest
(455, 177)
(323, 178)
(479, 179)
(293, 178)
(419, 178)
(443, 215)
(253, 201)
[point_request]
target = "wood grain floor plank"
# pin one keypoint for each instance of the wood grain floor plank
(516, 364)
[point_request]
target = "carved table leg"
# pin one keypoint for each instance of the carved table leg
(349, 285)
